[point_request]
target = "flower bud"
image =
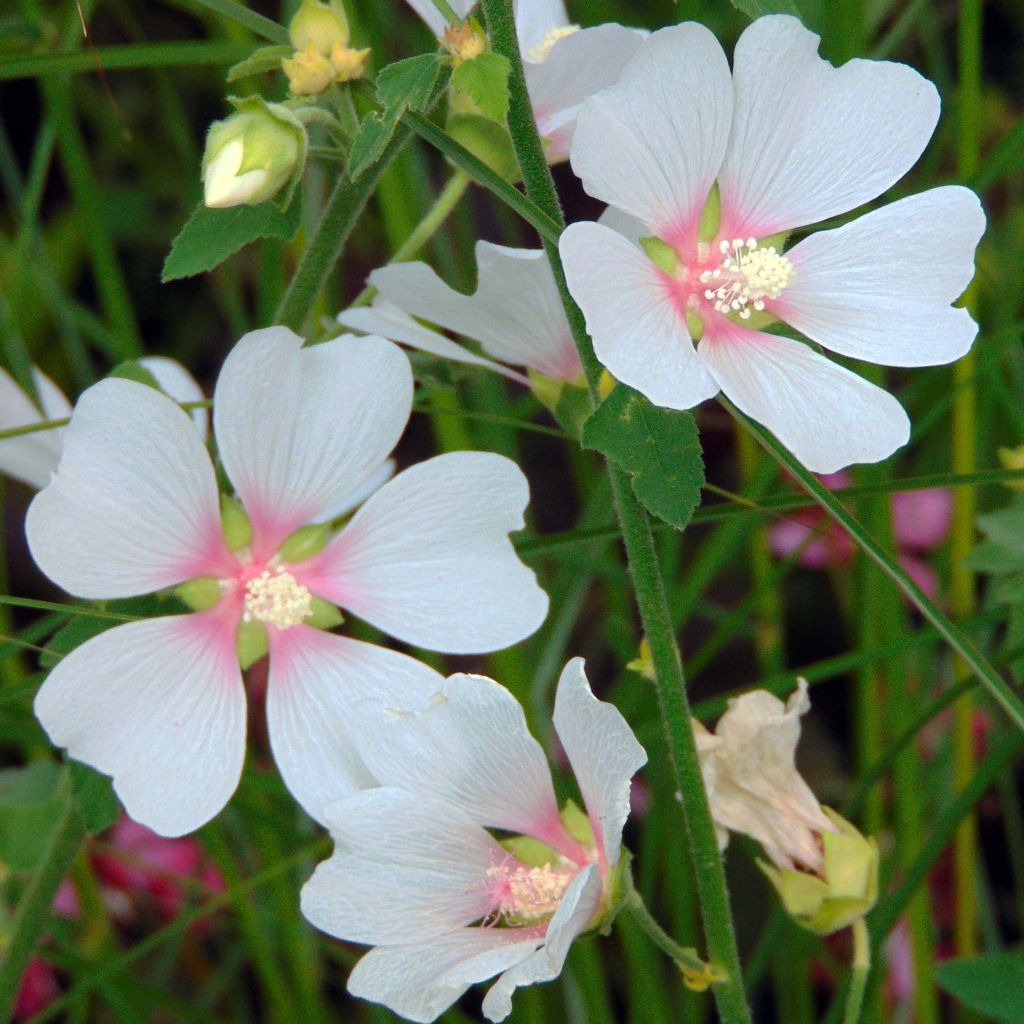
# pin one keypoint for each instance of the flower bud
(252, 155)
(842, 892)
(322, 26)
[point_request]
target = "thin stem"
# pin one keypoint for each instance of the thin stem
(651, 598)
(859, 971)
(686, 956)
(446, 9)
(425, 230)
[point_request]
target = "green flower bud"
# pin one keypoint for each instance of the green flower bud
(253, 155)
(322, 25)
(486, 140)
(846, 889)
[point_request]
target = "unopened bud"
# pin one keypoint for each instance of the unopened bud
(322, 26)
(465, 41)
(845, 889)
(252, 155)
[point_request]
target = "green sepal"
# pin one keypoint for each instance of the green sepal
(661, 254)
(573, 410)
(305, 542)
(323, 614)
(547, 390)
(252, 643)
(259, 62)
(488, 141)
(532, 852)
(200, 593)
(132, 369)
(710, 216)
(618, 884)
(235, 523)
(577, 824)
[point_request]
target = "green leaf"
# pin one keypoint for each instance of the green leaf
(408, 83)
(405, 85)
(756, 8)
(210, 236)
(30, 798)
(485, 80)
(989, 985)
(266, 58)
(73, 635)
(94, 794)
(995, 557)
(658, 448)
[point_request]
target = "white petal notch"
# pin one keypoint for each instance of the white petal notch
(31, 458)
(134, 508)
(416, 874)
(719, 169)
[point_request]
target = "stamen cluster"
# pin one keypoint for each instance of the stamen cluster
(525, 894)
(747, 276)
(277, 598)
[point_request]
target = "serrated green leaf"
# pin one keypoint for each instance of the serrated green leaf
(995, 557)
(408, 83)
(30, 799)
(989, 985)
(374, 133)
(266, 58)
(1005, 526)
(94, 794)
(210, 236)
(658, 448)
(485, 80)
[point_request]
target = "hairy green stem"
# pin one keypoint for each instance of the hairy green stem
(643, 561)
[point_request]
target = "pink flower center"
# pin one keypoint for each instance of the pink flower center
(523, 894)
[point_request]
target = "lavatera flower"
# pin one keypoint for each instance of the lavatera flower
(417, 874)
(719, 168)
(563, 63)
(302, 434)
(515, 313)
(824, 870)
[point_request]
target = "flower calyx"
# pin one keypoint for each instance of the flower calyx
(846, 887)
(465, 41)
(256, 154)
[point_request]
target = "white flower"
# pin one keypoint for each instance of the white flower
(32, 458)
(415, 873)
(749, 768)
(563, 63)
(790, 141)
(134, 508)
(515, 313)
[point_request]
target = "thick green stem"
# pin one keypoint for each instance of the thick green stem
(859, 972)
(425, 230)
(643, 562)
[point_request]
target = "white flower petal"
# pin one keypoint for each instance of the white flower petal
(316, 680)
(159, 705)
(389, 321)
(31, 458)
(639, 331)
(411, 980)
(133, 506)
(428, 560)
(516, 313)
(578, 906)
(535, 18)
(435, 20)
(810, 141)
(299, 430)
(880, 287)
(603, 752)
(405, 869)
(828, 417)
(470, 747)
(578, 66)
(652, 144)
(176, 382)
(384, 473)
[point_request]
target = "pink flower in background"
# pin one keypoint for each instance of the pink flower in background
(920, 523)
(38, 989)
